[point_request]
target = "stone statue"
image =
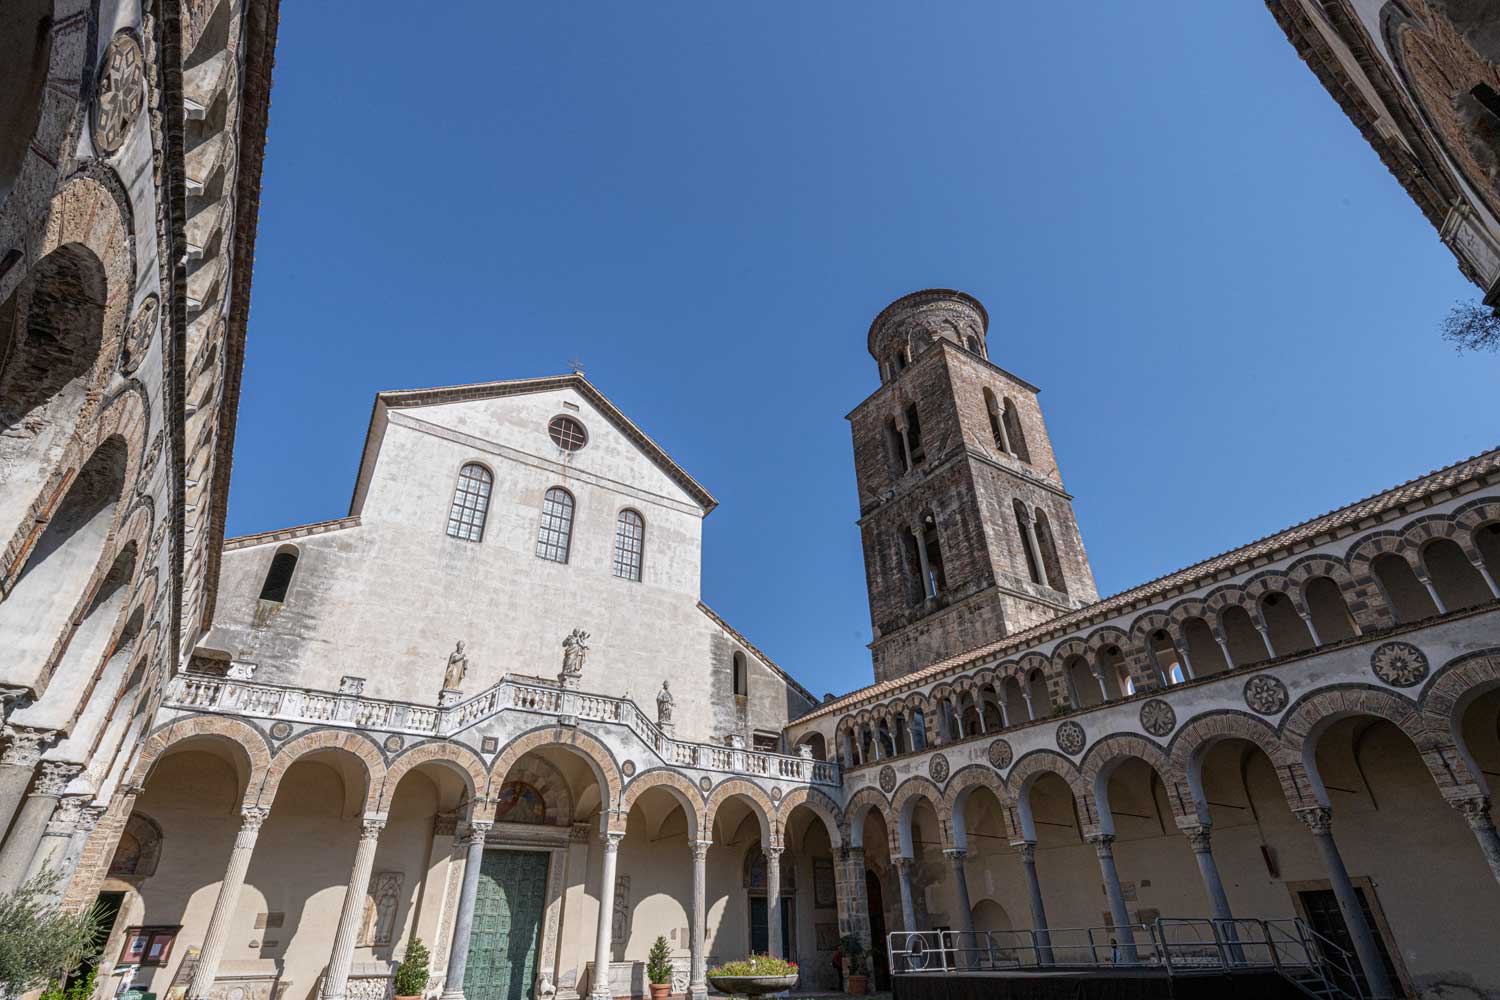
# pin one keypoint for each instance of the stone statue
(664, 704)
(575, 650)
(458, 665)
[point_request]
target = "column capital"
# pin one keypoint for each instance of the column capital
(852, 853)
(612, 839)
(1475, 809)
(955, 854)
(1199, 837)
(251, 817)
(1027, 850)
(773, 853)
(700, 849)
(1319, 819)
(1104, 844)
(89, 817)
(478, 830)
(24, 745)
(371, 825)
(65, 818)
(903, 865)
(53, 776)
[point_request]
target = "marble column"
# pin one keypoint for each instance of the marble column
(968, 945)
(1320, 822)
(1027, 850)
(1312, 630)
(336, 982)
(463, 917)
(1119, 915)
(214, 939)
(600, 989)
(1484, 571)
(1437, 599)
(773, 901)
(31, 822)
(698, 973)
(52, 851)
(926, 566)
(23, 751)
(1199, 838)
(1476, 810)
(908, 908)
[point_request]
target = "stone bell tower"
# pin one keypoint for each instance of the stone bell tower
(968, 533)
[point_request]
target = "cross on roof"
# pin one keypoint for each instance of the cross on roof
(576, 363)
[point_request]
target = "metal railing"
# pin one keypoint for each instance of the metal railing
(1175, 945)
(199, 693)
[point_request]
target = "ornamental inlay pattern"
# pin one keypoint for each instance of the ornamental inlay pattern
(1157, 717)
(888, 779)
(121, 94)
(1001, 755)
(1399, 664)
(142, 329)
(937, 768)
(1265, 694)
(628, 768)
(1070, 738)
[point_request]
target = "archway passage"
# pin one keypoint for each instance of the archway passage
(26, 40)
(51, 333)
(52, 582)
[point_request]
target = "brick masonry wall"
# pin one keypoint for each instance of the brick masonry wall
(970, 486)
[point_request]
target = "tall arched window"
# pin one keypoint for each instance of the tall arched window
(556, 533)
(997, 421)
(1015, 437)
(630, 543)
(741, 674)
(471, 503)
(279, 576)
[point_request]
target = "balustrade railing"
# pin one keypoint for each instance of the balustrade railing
(220, 694)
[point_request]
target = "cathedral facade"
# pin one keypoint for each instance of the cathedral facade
(488, 709)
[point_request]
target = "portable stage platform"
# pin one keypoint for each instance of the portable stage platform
(1169, 959)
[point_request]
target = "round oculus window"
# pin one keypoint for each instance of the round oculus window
(567, 433)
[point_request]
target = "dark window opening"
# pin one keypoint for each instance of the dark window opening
(1488, 97)
(896, 447)
(913, 565)
(936, 581)
(914, 435)
(279, 577)
(741, 675)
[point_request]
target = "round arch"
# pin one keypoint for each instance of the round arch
(353, 744)
(250, 745)
(684, 791)
(456, 757)
(821, 805)
(904, 802)
(594, 753)
(759, 801)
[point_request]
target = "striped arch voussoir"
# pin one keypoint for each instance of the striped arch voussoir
(688, 795)
(453, 756)
(354, 744)
(213, 727)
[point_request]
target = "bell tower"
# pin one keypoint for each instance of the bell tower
(968, 533)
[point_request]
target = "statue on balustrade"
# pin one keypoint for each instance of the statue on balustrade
(575, 650)
(458, 666)
(664, 705)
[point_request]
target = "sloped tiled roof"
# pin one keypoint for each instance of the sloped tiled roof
(1413, 491)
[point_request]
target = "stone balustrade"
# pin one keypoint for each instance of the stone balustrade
(201, 693)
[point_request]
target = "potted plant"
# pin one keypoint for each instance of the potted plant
(659, 969)
(411, 974)
(754, 976)
(858, 982)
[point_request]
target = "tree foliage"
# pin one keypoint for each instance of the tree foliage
(39, 940)
(1472, 327)
(659, 963)
(411, 974)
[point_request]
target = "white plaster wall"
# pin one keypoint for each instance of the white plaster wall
(388, 599)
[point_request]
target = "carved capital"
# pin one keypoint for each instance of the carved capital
(53, 776)
(251, 817)
(14, 698)
(1199, 837)
(612, 839)
(90, 816)
(1027, 850)
(1104, 844)
(24, 745)
(903, 865)
(478, 830)
(1476, 809)
(955, 854)
(65, 817)
(1319, 820)
(700, 849)
(772, 853)
(370, 827)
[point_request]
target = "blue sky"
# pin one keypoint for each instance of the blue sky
(1230, 305)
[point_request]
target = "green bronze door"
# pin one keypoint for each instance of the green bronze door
(507, 925)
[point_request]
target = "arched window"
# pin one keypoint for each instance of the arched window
(1041, 701)
(1328, 609)
(1409, 600)
(279, 576)
(741, 675)
(1487, 542)
(630, 544)
(1116, 673)
(1456, 580)
(556, 533)
(997, 421)
(1287, 631)
(1241, 636)
(1202, 649)
(1013, 432)
(26, 39)
(1024, 529)
(471, 503)
(1083, 689)
(1168, 659)
(1048, 546)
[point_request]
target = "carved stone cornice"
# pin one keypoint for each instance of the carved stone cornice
(53, 776)
(25, 745)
